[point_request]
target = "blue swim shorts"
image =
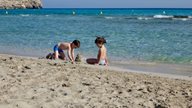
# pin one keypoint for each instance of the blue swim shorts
(56, 48)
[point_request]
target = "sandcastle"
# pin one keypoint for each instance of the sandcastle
(78, 58)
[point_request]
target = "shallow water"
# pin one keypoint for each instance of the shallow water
(183, 71)
(152, 35)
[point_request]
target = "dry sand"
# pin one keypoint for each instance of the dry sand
(39, 83)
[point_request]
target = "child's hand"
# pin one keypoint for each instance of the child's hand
(72, 62)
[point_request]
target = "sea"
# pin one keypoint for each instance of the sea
(139, 35)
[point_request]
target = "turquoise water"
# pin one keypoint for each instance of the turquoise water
(154, 35)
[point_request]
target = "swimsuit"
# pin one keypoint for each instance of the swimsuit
(56, 48)
(102, 62)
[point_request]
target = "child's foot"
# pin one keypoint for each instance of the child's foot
(49, 56)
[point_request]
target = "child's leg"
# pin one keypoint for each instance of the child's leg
(49, 56)
(56, 52)
(56, 55)
(62, 55)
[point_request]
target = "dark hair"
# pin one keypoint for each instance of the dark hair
(76, 43)
(100, 40)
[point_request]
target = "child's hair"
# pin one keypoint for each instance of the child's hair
(100, 40)
(76, 43)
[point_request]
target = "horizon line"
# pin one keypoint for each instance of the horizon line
(114, 8)
(121, 8)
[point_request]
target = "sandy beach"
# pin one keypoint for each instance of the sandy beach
(39, 83)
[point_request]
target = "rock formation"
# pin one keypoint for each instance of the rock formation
(20, 4)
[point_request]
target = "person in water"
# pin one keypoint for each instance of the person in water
(69, 47)
(102, 53)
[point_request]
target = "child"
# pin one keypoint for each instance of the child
(102, 53)
(58, 50)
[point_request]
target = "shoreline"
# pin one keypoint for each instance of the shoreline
(122, 70)
(148, 68)
(160, 69)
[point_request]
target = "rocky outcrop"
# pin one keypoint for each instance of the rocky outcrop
(20, 4)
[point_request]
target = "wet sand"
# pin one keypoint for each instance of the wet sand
(181, 71)
(40, 83)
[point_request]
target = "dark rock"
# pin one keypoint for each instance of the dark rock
(4, 59)
(27, 67)
(80, 91)
(86, 84)
(65, 94)
(159, 106)
(120, 92)
(52, 89)
(65, 85)
(129, 90)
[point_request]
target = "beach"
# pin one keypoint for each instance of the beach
(27, 82)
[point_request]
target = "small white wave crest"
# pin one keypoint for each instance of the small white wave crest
(182, 19)
(143, 18)
(24, 15)
(162, 16)
(108, 17)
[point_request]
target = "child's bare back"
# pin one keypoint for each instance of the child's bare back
(68, 46)
(102, 52)
(64, 45)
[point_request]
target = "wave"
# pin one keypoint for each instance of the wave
(27, 15)
(162, 16)
(153, 17)
(108, 17)
(174, 17)
(144, 18)
(24, 15)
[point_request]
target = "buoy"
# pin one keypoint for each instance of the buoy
(6, 12)
(101, 13)
(73, 12)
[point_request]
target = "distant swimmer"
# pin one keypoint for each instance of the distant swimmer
(73, 13)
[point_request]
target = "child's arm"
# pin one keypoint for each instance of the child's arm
(69, 53)
(99, 56)
(106, 60)
(72, 55)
